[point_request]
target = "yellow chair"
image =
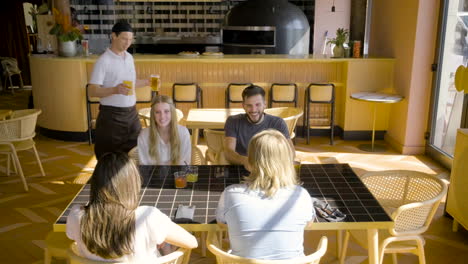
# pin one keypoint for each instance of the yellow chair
(144, 114)
(197, 156)
(180, 256)
(215, 142)
(234, 93)
(57, 244)
(187, 93)
(319, 93)
(16, 134)
(290, 116)
(283, 93)
(222, 257)
(411, 198)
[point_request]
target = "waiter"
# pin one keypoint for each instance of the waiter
(114, 81)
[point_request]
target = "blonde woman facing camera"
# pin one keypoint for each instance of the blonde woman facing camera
(267, 214)
(165, 142)
(112, 226)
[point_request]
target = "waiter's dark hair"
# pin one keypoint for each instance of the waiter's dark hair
(121, 26)
(252, 90)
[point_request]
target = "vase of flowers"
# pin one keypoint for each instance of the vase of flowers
(341, 37)
(67, 35)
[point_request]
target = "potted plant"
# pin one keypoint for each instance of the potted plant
(341, 37)
(66, 34)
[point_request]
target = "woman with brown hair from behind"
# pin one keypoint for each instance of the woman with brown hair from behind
(112, 226)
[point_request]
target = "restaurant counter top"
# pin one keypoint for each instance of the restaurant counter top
(59, 85)
(225, 57)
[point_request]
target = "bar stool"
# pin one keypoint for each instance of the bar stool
(283, 93)
(90, 101)
(319, 93)
(187, 93)
(234, 93)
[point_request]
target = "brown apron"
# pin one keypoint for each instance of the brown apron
(117, 129)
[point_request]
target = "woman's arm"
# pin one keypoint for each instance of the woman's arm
(178, 236)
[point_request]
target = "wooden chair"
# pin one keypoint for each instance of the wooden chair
(234, 93)
(197, 156)
(180, 256)
(283, 93)
(215, 142)
(319, 93)
(290, 116)
(222, 257)
(10, 68)
(411, 198)
(16, 134)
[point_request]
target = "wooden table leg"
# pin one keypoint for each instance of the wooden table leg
(373, 245)
(195, 132)
(339, 243)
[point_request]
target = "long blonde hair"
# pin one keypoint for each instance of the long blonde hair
(270, 158)
(154, 137)
(108, 224)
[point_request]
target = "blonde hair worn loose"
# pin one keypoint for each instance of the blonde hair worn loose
(271, 159)
(108, 222)
(154, 137)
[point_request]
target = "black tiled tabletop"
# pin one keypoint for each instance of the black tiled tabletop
(335, 184)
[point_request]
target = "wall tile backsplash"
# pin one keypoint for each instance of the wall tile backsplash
(173, 18)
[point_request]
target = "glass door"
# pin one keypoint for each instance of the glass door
(448, 104)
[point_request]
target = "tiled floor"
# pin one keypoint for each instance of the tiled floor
(26, 218)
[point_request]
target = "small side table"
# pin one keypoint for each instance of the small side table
(375, 98)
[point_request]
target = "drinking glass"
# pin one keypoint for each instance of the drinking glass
(192, 173)
(155, 82)
(180, 179)
(129, 85)
(297, 165)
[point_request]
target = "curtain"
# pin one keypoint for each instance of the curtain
(13, 34)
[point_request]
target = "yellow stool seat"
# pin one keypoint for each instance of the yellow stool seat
(57, 244)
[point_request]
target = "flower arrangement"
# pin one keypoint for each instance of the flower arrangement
(341, 36)
(63, 28)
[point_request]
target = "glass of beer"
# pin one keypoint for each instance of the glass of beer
(155, 82)
(129, 85)
(180, 179)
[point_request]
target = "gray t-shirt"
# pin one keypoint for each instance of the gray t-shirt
(239, 127)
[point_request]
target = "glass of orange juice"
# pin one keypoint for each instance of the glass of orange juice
(129, 85)
(155, 82)
(180, 179)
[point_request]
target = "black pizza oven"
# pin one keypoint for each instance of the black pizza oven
(265, 27)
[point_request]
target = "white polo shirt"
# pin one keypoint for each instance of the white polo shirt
(110, 70)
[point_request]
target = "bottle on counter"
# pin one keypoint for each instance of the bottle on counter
(357, 49)
(85, 46)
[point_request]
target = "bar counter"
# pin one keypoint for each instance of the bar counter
(59, 84)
